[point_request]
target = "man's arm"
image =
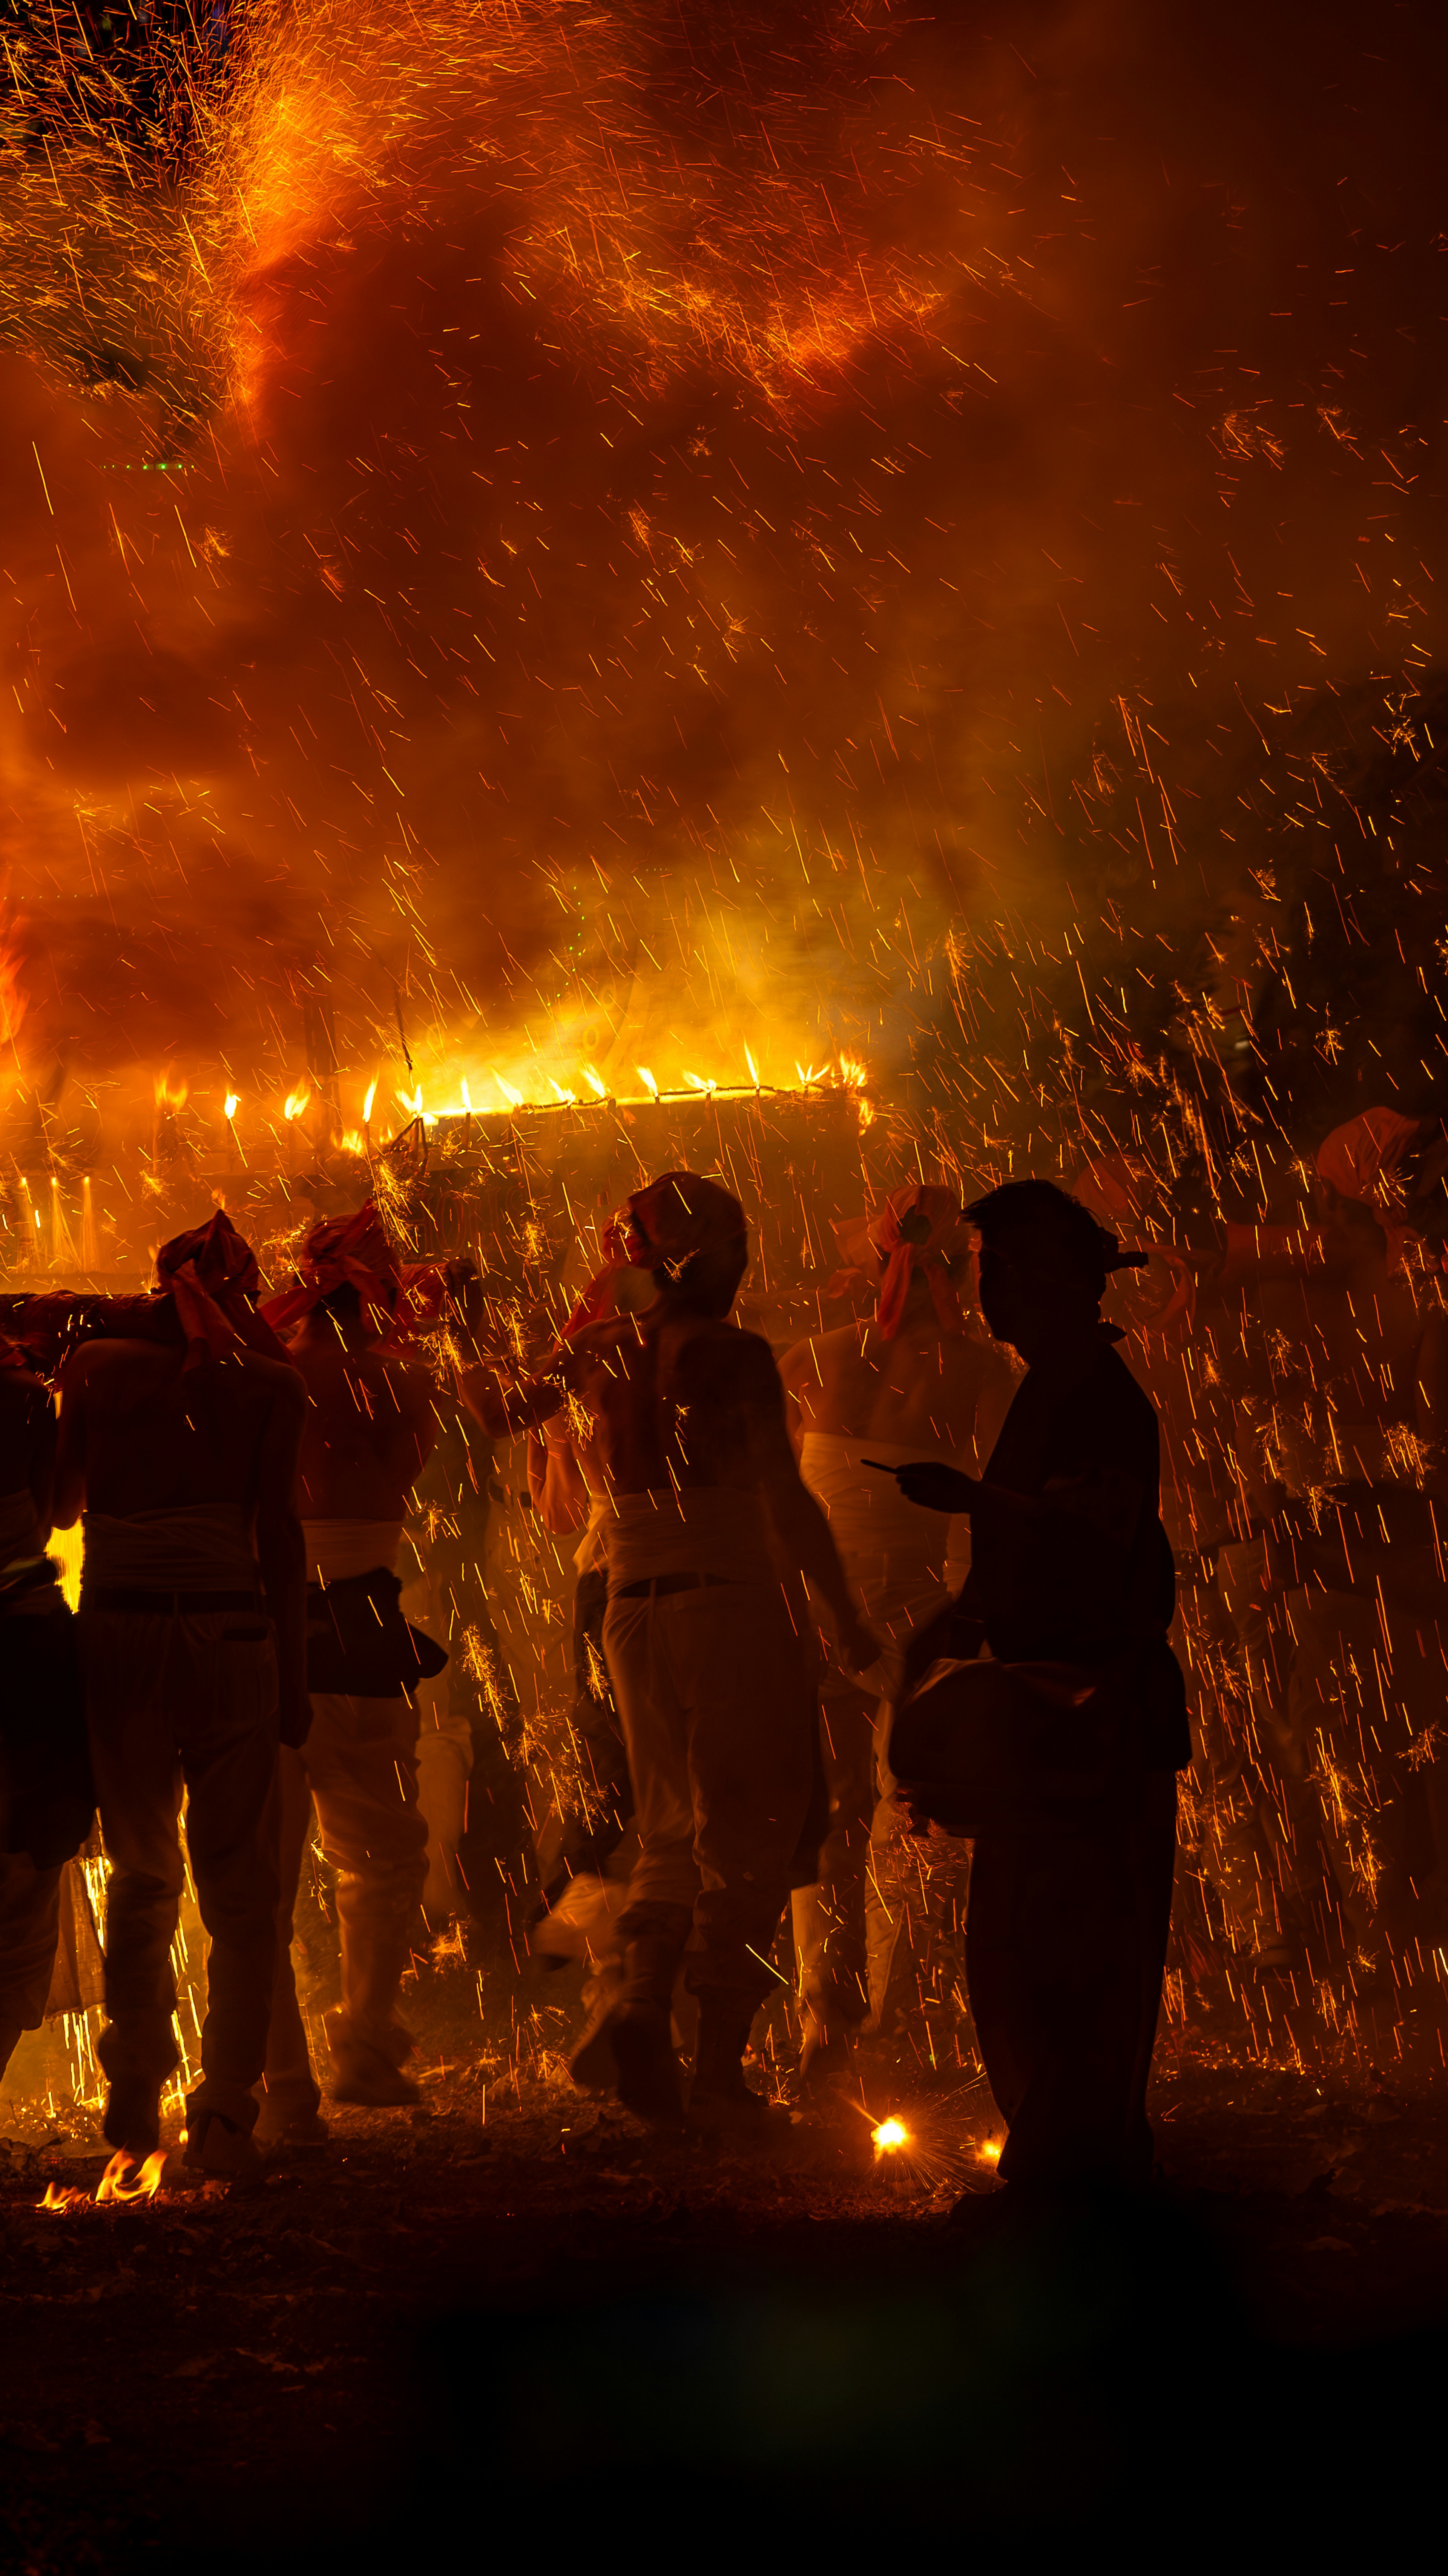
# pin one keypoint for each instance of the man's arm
(281, 1550)
(798, 1520)
(69, 1495)
(560, 1496)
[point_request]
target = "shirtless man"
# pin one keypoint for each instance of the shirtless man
(915, 1383)
(707, 1522)
(45, 1799)
(369, 1431)
(182, 1452)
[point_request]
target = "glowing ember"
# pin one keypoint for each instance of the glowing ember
(123, 2181)
(890, 2137)
(232, 1104)
(990, 2153)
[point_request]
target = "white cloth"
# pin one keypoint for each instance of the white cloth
(205, 1548)
(592, 1548)
(337, 1549)
(700, 1529)
(868, 1515)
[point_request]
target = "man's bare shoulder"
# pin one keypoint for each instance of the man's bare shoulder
(98, 1365)
(280, 1376)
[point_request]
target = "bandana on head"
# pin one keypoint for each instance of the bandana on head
(920, 1227)
(208, 1274)
(341, 1252)
(663, 1227)
(1360, 1159)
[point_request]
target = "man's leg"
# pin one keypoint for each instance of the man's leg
(444, 1753)
(658, 1918)
(291, 2097)
(222, 1698)
(749, 1693)
(137, 1770)
(361, 1758)
(29, 1932)
(829, 1917)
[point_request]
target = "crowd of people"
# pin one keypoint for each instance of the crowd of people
(906, 1587)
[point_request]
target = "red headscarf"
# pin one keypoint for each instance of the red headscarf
(209, 1273)
(341, 1251)
(663, 1227)
(1360, 1159)
(919, 1227)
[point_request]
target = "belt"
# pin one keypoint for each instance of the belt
(165, 1605)
(659, 1584)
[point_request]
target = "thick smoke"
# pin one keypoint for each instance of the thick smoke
(538, 537)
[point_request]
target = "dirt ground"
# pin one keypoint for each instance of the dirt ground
(513, 2321)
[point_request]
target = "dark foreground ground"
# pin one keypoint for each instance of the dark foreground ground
(511, 2328)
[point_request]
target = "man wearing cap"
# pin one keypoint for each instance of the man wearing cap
(1072, 1589)
(911, 1384)
(369, 1431)
(179, 1442)
(708, 1530)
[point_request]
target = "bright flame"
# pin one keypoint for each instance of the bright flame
(700, 1083)
(60, 2196)
(367, 1103)
(121, 2181)
(647, 1079)
(753, 1068)
(232, 1103)
(890, 2136)
(567, 1097)
(467, 1096)
(990, 2153)
(296, 1102)
(172, 1091)
(514, 1098)
(354, 1142)
(412, 1102)
(597, 1081)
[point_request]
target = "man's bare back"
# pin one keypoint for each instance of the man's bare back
(371, 1423)
(938, 1393)
(27, 1443)
(142, 1433)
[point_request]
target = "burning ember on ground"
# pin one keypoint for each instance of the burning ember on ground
(123, 2181)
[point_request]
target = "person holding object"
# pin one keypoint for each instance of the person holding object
(180, 1442)
(707, 1525)
(916, 1378)
(45, 1786)
(1060, 1755)
(369, 1431)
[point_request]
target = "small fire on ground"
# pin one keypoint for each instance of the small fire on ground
(123, 2180)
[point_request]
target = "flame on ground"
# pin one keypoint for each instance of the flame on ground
(122, 2180)
(890, 2136)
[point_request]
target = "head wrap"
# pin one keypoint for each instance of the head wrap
(920, 1227)
(1361, 1161)
(341, 1252)
(209, 1274)
(663, 1227)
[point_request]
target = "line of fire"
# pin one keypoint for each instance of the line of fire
(723, 1275)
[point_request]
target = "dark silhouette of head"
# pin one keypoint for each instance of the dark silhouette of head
(1044, 1262)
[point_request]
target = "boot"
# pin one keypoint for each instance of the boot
(591, 2061)
(641, 2025)
(369, 2071)
(721, 2103)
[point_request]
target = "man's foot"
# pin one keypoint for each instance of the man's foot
(301, 2130)
(739, 2114)
(367, 2076)
(133, 2116)
(647, 2069)
(219, 2149)
(591, 2061)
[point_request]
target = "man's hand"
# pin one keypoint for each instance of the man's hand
(936, 1488)
(858, 1645)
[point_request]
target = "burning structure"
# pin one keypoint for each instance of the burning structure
(542, 543)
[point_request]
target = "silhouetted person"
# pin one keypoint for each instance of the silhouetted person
(182, 1450)
(1071, 1578)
